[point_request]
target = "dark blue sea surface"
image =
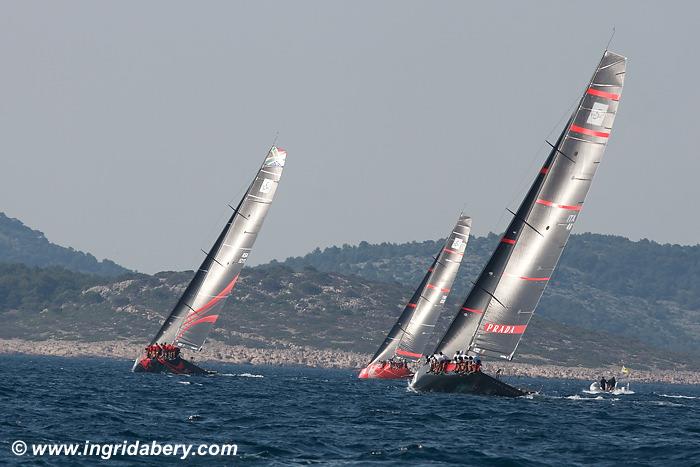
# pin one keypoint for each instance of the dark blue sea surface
(286, 415)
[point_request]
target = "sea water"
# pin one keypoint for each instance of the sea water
(294, 415)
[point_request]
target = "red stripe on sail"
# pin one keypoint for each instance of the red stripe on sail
(606, 95)
(536, 279)
(472, 310)
(216, 299)
(508, 241)
(452, 251)
(406, 353)
(431, 286)
(411, 305)
(586, 131)
(555, 205)
(505, 328)
(544, 170)
(206, 319)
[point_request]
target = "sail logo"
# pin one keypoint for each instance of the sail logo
(504, 328)
(598, 112)
(266, 186)
(244, 257)
(459, 244)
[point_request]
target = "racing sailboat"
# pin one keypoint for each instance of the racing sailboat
(410, 335)
(198, 309)
(499, 307)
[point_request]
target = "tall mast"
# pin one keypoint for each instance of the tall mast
(499, 307)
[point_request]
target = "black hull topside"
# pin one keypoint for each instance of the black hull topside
(469, 383)
(178, 366)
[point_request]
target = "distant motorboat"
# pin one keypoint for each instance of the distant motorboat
(618, 389)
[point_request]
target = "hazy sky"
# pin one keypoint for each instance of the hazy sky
(128, 126)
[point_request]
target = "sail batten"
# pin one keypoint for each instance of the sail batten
(512, 282)
(199, 307)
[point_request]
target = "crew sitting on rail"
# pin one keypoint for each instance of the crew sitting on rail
(444, 360)
(166, 351)
(476, 367)
(432, 361)
(611, 384)
(460, 361)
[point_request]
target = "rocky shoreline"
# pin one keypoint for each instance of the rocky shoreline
(324, 358)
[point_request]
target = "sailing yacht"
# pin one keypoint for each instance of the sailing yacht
(497, 311)
(408, 339)
(198, 309)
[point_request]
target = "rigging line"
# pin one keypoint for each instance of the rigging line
(556, 148)
(607, 47)
(239, 213)
(212, 258)
(525, 222)
(490, 295)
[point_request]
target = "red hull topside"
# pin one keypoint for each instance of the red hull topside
(384, 371)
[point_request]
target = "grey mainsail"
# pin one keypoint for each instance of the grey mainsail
(411, 334)
(197, 310)
(502, 301)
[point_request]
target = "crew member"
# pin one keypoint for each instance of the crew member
(603, 384)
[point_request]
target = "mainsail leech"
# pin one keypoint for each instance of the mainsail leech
(195, 314)
(411, 334)
(499, 307)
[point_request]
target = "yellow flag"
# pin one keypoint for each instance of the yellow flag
(625, 370)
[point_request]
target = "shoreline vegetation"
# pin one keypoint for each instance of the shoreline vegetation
(326, 358)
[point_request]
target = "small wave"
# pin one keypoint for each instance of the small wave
(576, 397)
(677, 396)
(185, 382)
(666, 404)
(616, 392)
(194, 418)
(242, 375)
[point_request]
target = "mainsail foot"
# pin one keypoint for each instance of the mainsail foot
(177, 366)
(465, 383)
